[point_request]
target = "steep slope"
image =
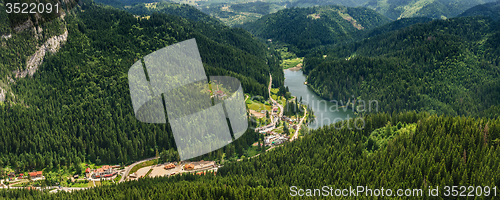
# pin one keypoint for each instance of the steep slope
(181, 10)
(396, 9)
(444, 66)
(488, 9)
(387, 154)
(25, 38)
(396, 25)
(306, 28)
(78, 107)
(238, 12)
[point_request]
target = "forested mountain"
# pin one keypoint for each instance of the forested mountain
(396, 25)
(181, 10)
(398, 151)
(396, 9)
(238, 12)
(77, 106)
(306, 28)
(488, 9)
(444, 66)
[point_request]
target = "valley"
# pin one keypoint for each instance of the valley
(338, 93)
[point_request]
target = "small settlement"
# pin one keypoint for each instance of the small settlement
(105, 171)
(32, 175)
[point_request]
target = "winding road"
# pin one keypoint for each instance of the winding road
(127, 169)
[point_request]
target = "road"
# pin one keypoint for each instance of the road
(296, 135)
(127, 169)
(273, 124)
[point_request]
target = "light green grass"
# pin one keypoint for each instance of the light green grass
(275, 90)
(289, 63)
(143, 164)
(149, 172)
(257, 106)
(252, 151)
(118, 177)
(80, 184)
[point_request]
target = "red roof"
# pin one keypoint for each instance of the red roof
(87, 170)
(33, 174)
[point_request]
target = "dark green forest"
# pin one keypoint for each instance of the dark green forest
(181, 10)
(396, 25)
(446, 67)
(414, 151)
(488, 9)
(77, 107)
(306, 28)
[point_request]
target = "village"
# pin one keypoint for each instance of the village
(274, 126)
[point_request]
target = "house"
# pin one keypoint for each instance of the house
(37, 174)
(275, 109)
(104, 171)
(12, 176)
(188, 167)
(201, 173)
(169, 166)
(21, 175)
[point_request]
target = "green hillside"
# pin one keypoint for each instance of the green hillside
(239, 12)
(181, 10)
(397, 151)
(445, 66)
(77, 106)
(396, 9)
(396, 25)
(306, 28)
(488, 9)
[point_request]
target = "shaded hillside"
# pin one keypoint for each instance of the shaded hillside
(488, 9)
(78, 107)
(396, 9)
(181, 10)
(306, 28)
(396, 25)
(386, 154)
(444, 66)
(239, 12)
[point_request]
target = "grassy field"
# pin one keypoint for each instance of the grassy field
(252, 151)
(143, 164)
(118, 177)
(289, 63)
(257, 106)
(80, 184)
(149, 172)
(278, 130)
(275, 90)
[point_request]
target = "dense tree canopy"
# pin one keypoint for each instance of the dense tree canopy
(414, 151)
(444, 66)
(78, 106)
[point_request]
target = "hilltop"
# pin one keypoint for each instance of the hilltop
(488, 9)
(447, 67)
(306, 28)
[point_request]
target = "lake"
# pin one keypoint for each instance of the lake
(326, 112)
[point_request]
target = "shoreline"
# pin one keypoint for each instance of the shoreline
(296, 68)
